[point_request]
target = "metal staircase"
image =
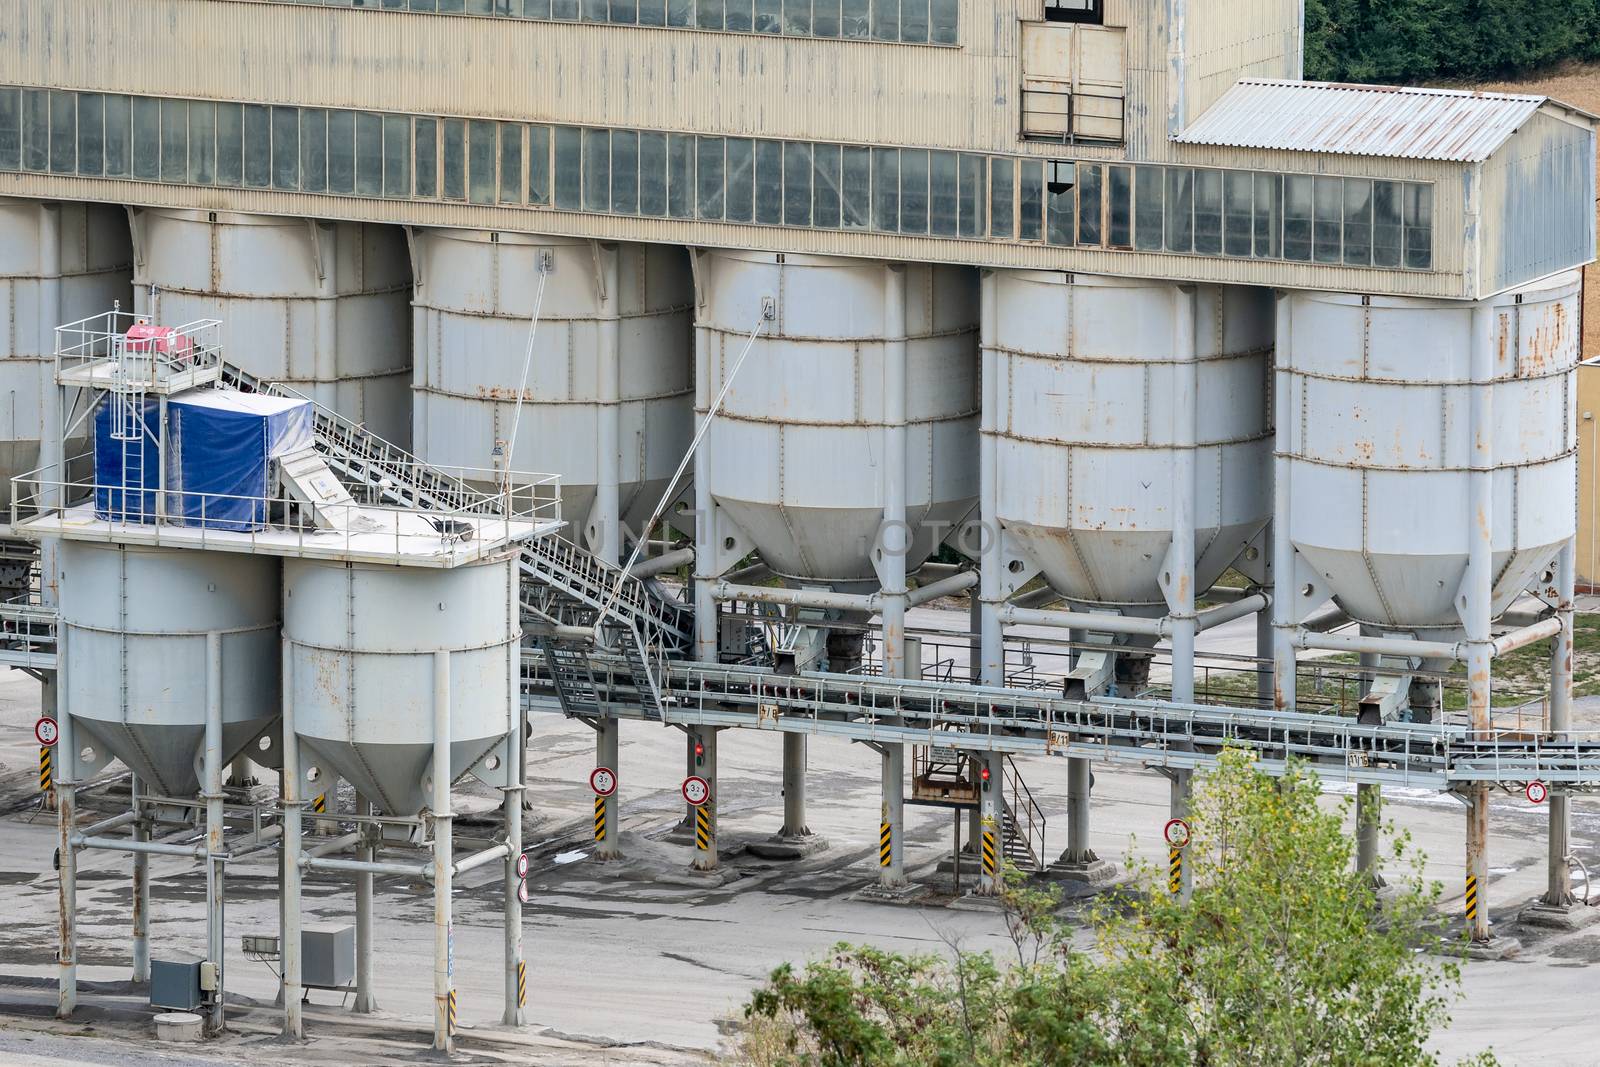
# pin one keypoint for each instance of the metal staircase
(572, 675)
(389, 474)
(944, 776)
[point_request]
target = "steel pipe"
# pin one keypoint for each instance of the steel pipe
(151, 848)
(333, 845)
(1249, 605)
(116, 821)
(402, 870)
(479, 859)
(799, 598)
(1383, 646)
(1527, 635)
(955, 583)
(1012, 615)
(667, 561)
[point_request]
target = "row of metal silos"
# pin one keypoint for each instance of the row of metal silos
(1066, 396)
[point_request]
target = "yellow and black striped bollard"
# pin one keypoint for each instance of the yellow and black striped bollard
(990, 861)
(885, 844)
(46, 770)
(320, 804)
(1472, 899)
(702, 828)
(522, 983)
(599, 818)
(1175, 871)
(450, 1020)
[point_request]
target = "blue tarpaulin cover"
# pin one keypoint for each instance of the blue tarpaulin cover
(220, 448)
(125, 495)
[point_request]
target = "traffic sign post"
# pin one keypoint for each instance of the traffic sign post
(696, 790)
(522, 865)
(1538, 792)
(603, 780)
(46, 731)
(1176, 833)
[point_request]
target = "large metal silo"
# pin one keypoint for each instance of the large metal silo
(145, 633)
(364, 644)
(319, 306)
(1084, 435)
(797, 456)
(58, 263)
(1381, 446)
(608, 399)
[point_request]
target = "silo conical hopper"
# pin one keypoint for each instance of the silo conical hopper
(1083, 431)
(611, 356)
(796, 455)
(1382, 388)
(136, 662)
(362, 640)
(319, 306)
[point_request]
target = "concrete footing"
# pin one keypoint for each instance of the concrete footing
(1558, 916)
(877, 893)
(1095, 872)
(719, 876)
(976, 902)
(1496, 948)
(785, 847)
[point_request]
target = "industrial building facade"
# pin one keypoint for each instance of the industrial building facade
(1100, 295)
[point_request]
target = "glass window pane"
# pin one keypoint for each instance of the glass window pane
(511, 163)
(652, 12)
(1119, 207)
(230, 142)
(797, 18)
(1002, 197)
(569, 167)
(397, 155)
(565, 10)
(285, 148)
(886, 20)
(1386, 224)
(313, 148)
(1419, 226)
(680, 13)
(369, 154)
(175, 140)
(708, 169)
(825, 18)
(653, 174)
(1329, 209)
(1180, 209)
(680, 175)
(1091, 204)
(64, 134)
(1208, 212)
(913, 190)
(943, 194)
(36, 131)
(1357, 222)
(886, 189)
(741, 163)
(625, 172)
(91, 134)
(973, 197)
(455, 159)
(538, 164)
(341, 152)
(942, 21)
(855, 19)
(914, 21)
(857, 205)
(796, 184)
(482, 162)
(595, 10)
(257, 145)
(1030, 199)
(10, 129)
(1062, 190)
(1269, 216)
(1297, 217)
(825, 179)
(596, 170)
(738, 16)
(1148, 211)
(1238, 188)
(768, 16)
(426, 166)
(624, 12)
(118, 140)
(769, 183)
(708, 14)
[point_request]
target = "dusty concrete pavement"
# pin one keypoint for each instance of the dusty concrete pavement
(626, 968)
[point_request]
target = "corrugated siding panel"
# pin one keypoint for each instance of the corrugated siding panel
(1230, 39)
(1538, 196)
(667, 231)
(1410, 123)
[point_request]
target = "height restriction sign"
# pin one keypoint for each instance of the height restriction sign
(1176, 832)
(696, 790)
(603, 780)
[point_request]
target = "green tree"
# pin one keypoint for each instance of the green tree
(1282, 955)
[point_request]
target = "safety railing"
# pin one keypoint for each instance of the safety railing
(134, 351)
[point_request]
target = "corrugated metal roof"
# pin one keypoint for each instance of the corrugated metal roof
(1363, 120)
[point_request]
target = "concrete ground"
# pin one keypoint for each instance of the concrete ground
(625, 968)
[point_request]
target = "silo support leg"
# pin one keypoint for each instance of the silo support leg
(444, 999)
(289, 789)
(608, 810)
(1079, 862)
(1369, 820)
(891, 821)
(67, 863)
(991, 825)
(794, 840)
(141, 893)
(705, 816)
(365, 1002)
(1182, 788)
(516, 977)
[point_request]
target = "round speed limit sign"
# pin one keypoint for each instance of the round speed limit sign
(696, 790)
(1537, 792)
(603, 780)
(1176, 832)
(46, 731)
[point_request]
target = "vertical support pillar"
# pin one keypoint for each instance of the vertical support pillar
(1180, 870)
(991, 825)
(325, 257)
(794, 787)
(141, 889)
(215, 869)
(894, 543)
(444, 1000)
(1284, 408)
(608, 810)
(1179, 577)
(991, 636)
(605, 518)
(51, 456)
(705, 526)
(1078, 851)
(1264, 646)
(1474, 604)
(705, 816)
(366, 851)
(66, 863)
(1369, 803)
(516, 976)
(1558, 891)
(291, 801)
